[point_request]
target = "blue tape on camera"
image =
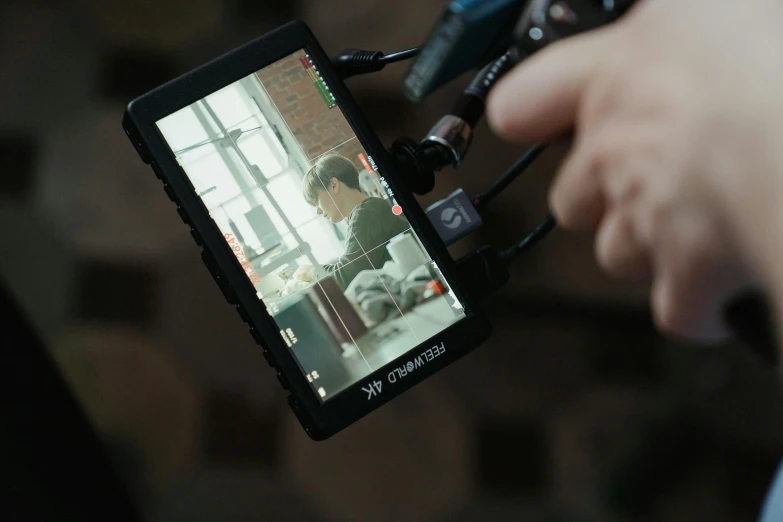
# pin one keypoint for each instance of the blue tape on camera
(469, 34)
(454, 217)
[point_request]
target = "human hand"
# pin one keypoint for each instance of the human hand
(677, 111)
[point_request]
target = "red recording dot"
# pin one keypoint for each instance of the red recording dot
(396, 210)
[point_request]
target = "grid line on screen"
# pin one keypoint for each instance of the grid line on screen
(312, 160)
(346, 328)
(303, 136)
(272, 101)
(292, 168)
(285, 121)
(316, 157)
(231, 127)
(297, 292)
(345, 265)
(240, 122)
(396, 304)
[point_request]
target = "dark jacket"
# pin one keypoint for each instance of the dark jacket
(370, 226)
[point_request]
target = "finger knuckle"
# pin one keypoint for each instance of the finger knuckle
(611, 263)
(606, 250)
(567, 216)
(668, 317)
(604, 256)
(618, 249)
(667, 320)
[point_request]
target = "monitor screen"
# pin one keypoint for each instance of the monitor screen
(312, 222)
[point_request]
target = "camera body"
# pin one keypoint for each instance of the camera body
(545, 21)
(471, 33)
(256, 149)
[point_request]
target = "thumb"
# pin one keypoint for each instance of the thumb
(538, 100)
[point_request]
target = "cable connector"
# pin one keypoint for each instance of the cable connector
(483, 272)
(454, 217)
(531, 240)
(352, 62)
(486, 270)
(455, 131)
(418, 162)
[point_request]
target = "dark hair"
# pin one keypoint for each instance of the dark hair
(327, 167)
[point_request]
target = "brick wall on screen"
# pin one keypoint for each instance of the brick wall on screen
(317, 128)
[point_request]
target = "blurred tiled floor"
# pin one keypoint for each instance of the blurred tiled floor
(574, 411)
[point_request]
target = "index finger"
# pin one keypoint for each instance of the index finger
(538, 100)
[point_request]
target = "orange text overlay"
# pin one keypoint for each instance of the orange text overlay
(242, 258)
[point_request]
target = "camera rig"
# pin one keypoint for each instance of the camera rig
(493, 36)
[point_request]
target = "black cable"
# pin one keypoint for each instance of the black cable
(531, 239)
(400, 55)
(352, 62)
(455, 130)
(472, 102)
(489, 75)
(486, 270)
(480, 201)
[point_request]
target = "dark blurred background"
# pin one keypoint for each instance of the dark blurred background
(576, 410)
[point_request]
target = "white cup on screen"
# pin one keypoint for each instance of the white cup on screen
(406, 253)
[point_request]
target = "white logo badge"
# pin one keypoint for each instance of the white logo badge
(451, 218)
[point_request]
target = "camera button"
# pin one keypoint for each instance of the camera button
(257, 336)
(220, 279)
(196, 237)
(243, 314)
(269, 358)
(133, 135)
(283, 380)
(169, 192)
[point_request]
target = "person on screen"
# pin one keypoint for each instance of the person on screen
(332, 187)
